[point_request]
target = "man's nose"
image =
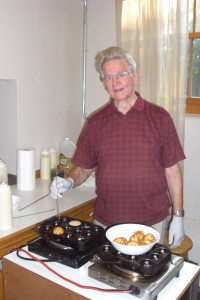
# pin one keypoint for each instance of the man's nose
(115, 80)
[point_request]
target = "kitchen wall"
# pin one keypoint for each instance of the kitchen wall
(8, 122)
(41, 49)
(41, 44)
(192, 184)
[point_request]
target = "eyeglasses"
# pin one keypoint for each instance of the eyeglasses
(122, 75)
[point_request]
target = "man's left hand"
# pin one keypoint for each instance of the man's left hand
(176, 232)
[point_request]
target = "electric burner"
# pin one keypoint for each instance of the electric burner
(146, 288)
(147, 264)
(61, 253)
(145, 275)
(66, 240)
(127, 273)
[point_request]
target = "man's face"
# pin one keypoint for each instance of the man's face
(121, 88)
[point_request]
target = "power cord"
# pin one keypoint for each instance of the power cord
(33, 258)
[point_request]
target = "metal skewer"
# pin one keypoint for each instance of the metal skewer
(57, 204)
(34, 202)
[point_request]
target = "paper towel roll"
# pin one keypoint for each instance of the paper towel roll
(25, 169)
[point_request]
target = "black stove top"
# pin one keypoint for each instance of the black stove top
(64, 255)
(66, 240)
(146, 288)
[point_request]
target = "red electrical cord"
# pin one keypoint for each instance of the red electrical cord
(70, 281)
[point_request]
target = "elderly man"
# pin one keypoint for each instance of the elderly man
(135, 149)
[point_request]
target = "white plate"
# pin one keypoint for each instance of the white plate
(127, 230)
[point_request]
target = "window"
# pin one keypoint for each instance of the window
(193, 78)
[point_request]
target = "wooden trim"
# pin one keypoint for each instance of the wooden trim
(190, 68)
(192, 106)
(194, 16)
(17, 239)
(194, 35)
(37, 174)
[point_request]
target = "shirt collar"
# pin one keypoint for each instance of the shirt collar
(138, 105)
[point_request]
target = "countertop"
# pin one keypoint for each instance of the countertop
(46, 207)
(172, 291)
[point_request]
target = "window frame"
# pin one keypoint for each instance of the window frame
(192, 103)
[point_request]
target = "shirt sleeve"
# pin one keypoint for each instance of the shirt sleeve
(172, 151)
(84, 156)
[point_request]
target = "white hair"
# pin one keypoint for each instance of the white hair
(110, 54)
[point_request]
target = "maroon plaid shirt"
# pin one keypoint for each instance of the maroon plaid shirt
(131, 153)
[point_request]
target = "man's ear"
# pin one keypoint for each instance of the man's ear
(136, 76)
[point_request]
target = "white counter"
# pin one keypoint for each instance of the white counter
(46, 207)
(172, 291)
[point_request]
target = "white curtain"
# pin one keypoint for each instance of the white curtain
(155, 32)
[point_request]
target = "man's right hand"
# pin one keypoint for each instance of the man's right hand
(60, 185)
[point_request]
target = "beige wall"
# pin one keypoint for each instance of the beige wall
(101, 34)
(192, 184)
(41, 44)
(42, 49)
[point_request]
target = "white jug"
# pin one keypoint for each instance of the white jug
(67, 149)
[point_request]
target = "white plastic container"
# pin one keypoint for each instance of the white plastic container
(53, 155)
(45, 165)
(67, 149)
(6, 213)
(3, 172)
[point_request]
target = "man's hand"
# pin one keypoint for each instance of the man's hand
(176, 232)
(60, 185)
